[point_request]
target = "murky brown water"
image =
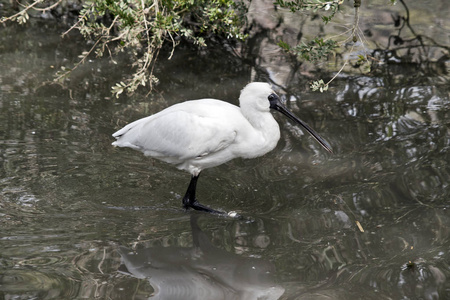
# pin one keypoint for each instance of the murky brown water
(80, 219)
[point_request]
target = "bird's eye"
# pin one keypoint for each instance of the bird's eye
(272, 97)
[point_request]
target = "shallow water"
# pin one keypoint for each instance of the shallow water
(81, 219)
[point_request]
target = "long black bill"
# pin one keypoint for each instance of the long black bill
(276, 104)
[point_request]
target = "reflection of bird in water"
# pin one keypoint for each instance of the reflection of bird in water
(201, 272)
(199, 134)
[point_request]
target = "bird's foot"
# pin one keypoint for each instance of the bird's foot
(189, 203)
(200, 207)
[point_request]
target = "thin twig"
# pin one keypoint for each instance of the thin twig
(3, 20)
(353, 30)
(173, 45)
(99, 266)
(78, 22)
(49, 7)
(81, 61)
(356, 23)
(339, 72)
(338, 35)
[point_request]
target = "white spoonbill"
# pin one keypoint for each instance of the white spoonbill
(200, 134)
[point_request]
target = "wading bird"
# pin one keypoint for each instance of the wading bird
(200, 134)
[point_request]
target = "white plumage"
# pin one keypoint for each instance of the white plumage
(200, 134)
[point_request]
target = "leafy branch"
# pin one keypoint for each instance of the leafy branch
(140, 28)
(320, 48)
(313, 5)
(313, 51)
(22, 16)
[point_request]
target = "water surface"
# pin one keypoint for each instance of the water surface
(81, 219)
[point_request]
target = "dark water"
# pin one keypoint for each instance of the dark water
(80, 219)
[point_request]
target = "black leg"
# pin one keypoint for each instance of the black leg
(189, 200)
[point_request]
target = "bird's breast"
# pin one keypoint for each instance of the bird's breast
(259, 140)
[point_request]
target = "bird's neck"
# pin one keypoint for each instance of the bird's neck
(265, 124)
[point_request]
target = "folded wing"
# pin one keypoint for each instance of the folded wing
(177, 134)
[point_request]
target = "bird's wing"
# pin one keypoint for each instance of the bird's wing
(178, 134)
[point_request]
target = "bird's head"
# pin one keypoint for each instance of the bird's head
(254, 96)
(261, 97)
